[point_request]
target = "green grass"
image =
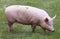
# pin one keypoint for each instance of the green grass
(25, 31)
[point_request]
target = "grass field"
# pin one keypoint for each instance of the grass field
(25, 31)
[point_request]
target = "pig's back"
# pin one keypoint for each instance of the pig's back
(25, 13)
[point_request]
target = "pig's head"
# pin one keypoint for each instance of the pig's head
(48, 24)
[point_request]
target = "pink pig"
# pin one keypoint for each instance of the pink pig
(30, 16)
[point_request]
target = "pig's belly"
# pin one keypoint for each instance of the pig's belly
(24, 21)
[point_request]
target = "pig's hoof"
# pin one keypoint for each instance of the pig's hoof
(10, 30)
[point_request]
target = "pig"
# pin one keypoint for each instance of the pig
(29, 15)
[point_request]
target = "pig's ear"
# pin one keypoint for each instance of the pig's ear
(53, 18)
(46, 19)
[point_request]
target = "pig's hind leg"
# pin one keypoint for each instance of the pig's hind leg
(10, 27)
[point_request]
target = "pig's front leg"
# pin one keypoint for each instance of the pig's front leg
(33, 28)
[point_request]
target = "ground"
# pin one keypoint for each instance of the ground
(25, 31)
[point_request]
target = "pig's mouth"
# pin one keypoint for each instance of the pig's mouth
(52, 30)
(48, 30)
